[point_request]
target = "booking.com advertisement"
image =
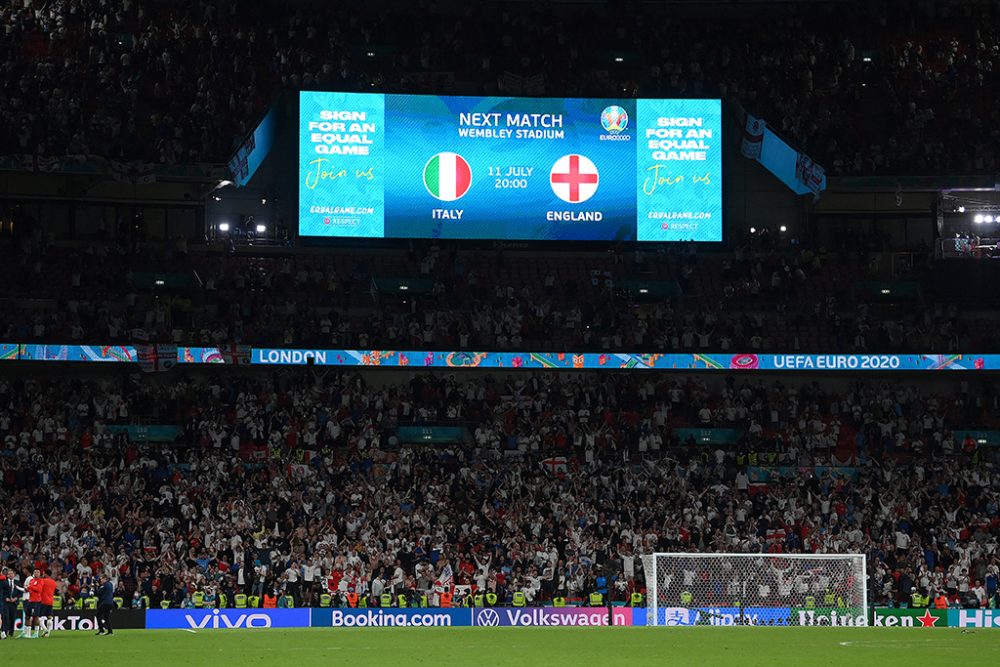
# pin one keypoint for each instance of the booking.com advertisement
(464, 617)
(386, 618)
(555, 169)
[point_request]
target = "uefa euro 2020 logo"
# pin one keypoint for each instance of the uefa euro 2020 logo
(614, 119)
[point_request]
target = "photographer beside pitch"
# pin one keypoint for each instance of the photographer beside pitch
(105, 605)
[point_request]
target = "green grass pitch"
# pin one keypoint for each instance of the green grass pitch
(632, 647)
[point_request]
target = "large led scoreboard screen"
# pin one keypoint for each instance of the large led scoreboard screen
(543, 169)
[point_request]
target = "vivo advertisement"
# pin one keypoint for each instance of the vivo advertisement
(226, 619)
(537, 169)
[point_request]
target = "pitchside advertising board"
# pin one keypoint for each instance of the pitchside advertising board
(685, 616)
(86, 620)
(390, 618)
(551, 617)
(258, 619)
(937, 618)
(540, 169)
(464, 617)
(226, 619)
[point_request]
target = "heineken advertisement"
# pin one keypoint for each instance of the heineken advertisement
(936, 618)
(910, 618)
(835, 616)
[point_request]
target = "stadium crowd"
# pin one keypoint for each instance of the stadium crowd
(755, 299)
(889, 87)
(296, 483)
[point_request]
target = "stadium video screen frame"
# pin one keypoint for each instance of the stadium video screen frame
(375, 166)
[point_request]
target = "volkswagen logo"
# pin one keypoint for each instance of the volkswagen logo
(488, 617)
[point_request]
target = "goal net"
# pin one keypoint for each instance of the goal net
(756, 589)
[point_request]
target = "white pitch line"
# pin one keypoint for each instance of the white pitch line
(191, 631)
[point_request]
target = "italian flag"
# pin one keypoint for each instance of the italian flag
(447, 176)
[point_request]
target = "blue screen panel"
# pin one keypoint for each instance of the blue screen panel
(543, 169)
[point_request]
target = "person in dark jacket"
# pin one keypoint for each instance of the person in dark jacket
(8, 603)
(105, 605)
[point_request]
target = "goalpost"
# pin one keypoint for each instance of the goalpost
(756, 589)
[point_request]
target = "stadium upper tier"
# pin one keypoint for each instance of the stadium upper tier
(862, 87)
(429, 298)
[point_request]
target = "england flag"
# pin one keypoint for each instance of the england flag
(574, 178)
